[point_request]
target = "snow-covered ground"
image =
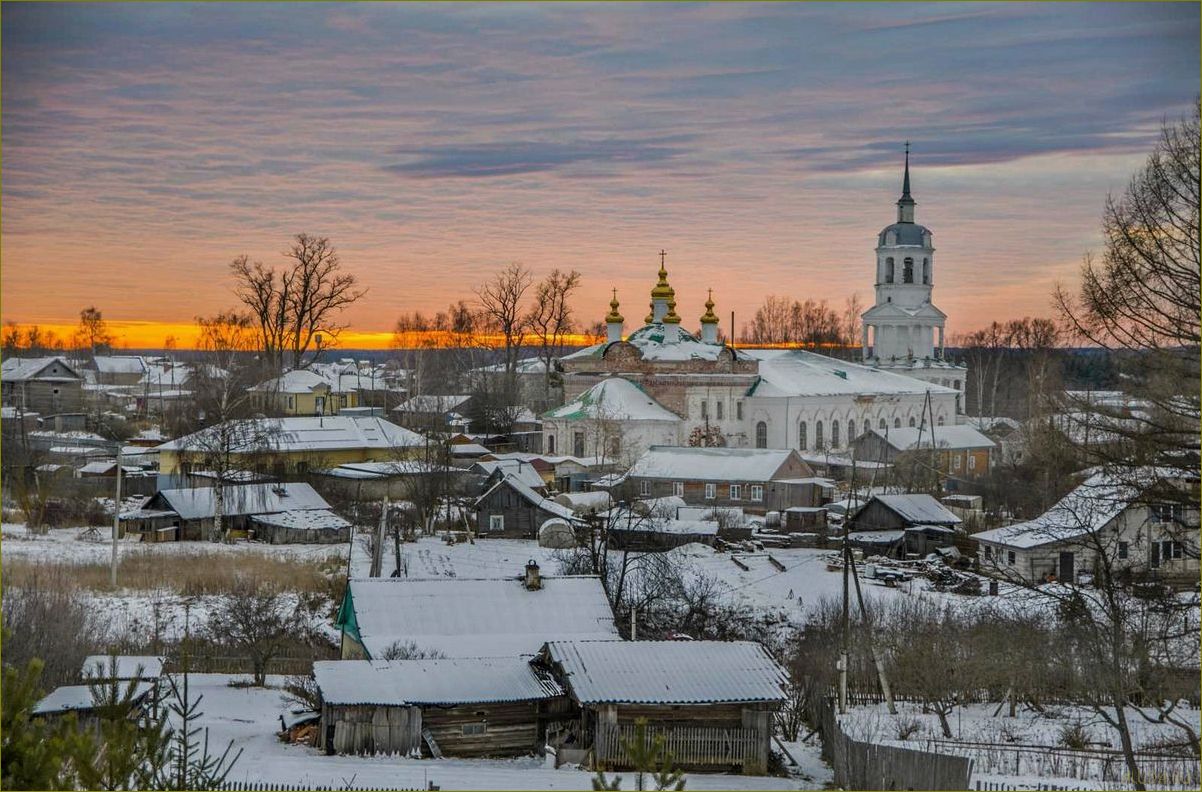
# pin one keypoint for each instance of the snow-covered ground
(250, 717)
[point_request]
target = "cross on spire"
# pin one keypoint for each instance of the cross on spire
(662, 255)
(906, 180)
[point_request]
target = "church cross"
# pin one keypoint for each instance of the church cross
(662, 255)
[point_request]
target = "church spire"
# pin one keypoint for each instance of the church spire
(905, 204)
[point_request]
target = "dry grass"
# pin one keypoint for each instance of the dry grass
(187, 575)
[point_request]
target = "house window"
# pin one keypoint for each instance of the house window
(834, 434)
(972, 462)
(956, 462)
(801, 436)
(578, 444)
(718, 410)
(644, 487)
(1010, 557)
(818, 436)
(739, 410)
(496, 522)
(757, 492)
(709, 491)
(291, 402)
(1166, 512)
(1124, 550)
(342, 400)
(550, 444)
(761, 435)
(908, 270)
(705, 413)
(988, 553)
(678, 489)
(475, 728)
(736, 491)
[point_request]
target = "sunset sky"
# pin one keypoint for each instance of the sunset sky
(145, 146)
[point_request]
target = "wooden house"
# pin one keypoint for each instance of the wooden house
(461, 707)
(900, 526)
(758, 480)
(713, 701)
(961, 451)
(630, 531)
(301, 392)
(46, 385)
(190, 512)
(461, 617)
(1122, 518)
(512, 509)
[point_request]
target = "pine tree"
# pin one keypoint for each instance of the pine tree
(650, 759)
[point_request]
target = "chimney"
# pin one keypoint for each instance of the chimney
(534, 580)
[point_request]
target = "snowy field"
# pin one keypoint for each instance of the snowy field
(250, 717)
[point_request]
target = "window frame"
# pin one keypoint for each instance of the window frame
(710, 491)
(678, 489)
(757, 493)
(496, 523)
(735, 492)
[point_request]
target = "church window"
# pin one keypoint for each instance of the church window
(897, 423)
(911, 421)
(851, 431)
(834, 434)
(550, 444)
(739, 410)
(578, 444)
(889, 270)
(718, 410)
(883, 424)
(926, 270)
(705, 413)
(908, 270)
(761, 435)
(941, 420)
(801, 436)
(817, 435)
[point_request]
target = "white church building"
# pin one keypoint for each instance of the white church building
(768, 398)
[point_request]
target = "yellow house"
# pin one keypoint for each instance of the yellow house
(291, 445)
(300, 392)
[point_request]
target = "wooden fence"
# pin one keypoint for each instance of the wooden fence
(229, 664)
(690, 746)
(1053, 761)
(1002, 786)
(865, 765)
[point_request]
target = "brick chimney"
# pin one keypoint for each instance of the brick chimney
(534, 580)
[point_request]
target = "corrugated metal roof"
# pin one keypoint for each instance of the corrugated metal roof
(200, 502)
(710, 464)
(918, 508)
(475, 680)
(311, 519)
(479, 618)
(128, 667)
(668, 672)
(79, 697)
(325, 433)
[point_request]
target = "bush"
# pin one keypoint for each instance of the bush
(1074, 735)
(906, 726)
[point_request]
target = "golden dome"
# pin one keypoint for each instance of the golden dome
(651, 316)
(614, 316)
(671, 317)
(710, 317)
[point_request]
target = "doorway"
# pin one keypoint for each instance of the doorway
(1067, 570)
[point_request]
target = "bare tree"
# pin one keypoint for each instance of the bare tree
(501, 300)
(296, 308)
(257, 619)
(550, 320)
(93, 333)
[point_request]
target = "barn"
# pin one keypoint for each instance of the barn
(191, 511)
(461, 707)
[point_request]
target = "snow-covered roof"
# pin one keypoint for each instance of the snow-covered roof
(613, 398)
(79, 697)
(468, 449)
(649, 340)
(127, 667)
(710, 464)
(664, 525)
(532, 497)
(431, 404)
(875, 537)
(298, 381)
(105, 467)
(958, 436)
(119, 364)
(986, 423)
(308, 519)
(19, 369)
(800, 373)
(550, 459)
(374, 470)
(196, 503)
(514, 468)
(917, 508)
(667, 672)
(531, 365)
(494, 617)
(309, 433)
(1087, 508)
(471, 680)
(585, 501)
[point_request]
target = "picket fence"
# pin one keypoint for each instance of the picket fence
(1002, 786)
(269, 786)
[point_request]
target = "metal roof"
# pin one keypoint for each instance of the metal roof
(127, 667)
(200, 502)
(667, 672)
(79, 697)
(310, 519)
(474, 680)
(907, 234)
(917, 508)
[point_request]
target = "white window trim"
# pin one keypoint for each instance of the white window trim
(757, 493)
(736, 492)
(709, 491)
(678, 489)
(496, 522)
(645, 487)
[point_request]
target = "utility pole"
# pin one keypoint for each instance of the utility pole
(843, 652)
(377, 550)
(116, 522)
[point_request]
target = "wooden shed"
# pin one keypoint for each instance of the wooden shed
(511, 508)
(712, 701)
(463, 707)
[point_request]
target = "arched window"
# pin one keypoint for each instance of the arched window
(851, 431)
(889, 270)
(801, 436)
(908, 270)
(883, 424)
(550, 444)
(926, 270)
(818, 436)
(897, 423)
(912, 424)
(941, 420)
(834, 434)
(761, 435)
